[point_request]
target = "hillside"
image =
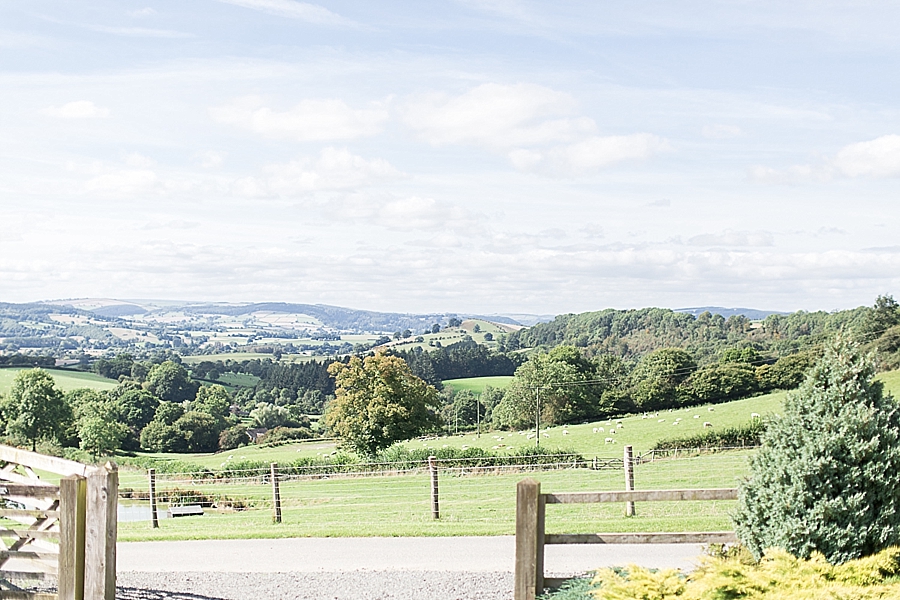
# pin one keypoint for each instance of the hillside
(633, 333)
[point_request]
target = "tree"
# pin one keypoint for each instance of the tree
(827, 474)
(378, 401)
(566, 383)
(436, 328)
(35, 409)
(99, 428)
(213, 400)
(657, 376)
(199, 431)
(269, 416)
(234, 437)
(171, 382)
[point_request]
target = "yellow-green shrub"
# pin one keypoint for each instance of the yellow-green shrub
(778, 576)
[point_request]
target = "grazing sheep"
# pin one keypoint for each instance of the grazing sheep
(530, 436)
(661, 421)
(595, 430)
(565, 432)
(600, 429)
(610, 441)
(696, 416)
(675, 423)
(612, 431)
(546, 435)
(710, 409)
(754, 415)
(707, 424)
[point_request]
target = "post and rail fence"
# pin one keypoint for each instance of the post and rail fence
(531, 517)
(64, 532)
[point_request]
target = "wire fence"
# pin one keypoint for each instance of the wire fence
(473, 498)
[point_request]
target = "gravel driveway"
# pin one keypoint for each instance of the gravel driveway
(453, 568)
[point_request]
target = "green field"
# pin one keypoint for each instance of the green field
(65, 380)
(471, 504)
(477, 384)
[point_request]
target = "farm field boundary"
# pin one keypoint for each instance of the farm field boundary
(474, 500)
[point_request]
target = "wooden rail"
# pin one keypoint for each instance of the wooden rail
(67, 533)
(531, 539)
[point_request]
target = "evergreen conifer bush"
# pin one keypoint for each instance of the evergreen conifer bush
(827, 477)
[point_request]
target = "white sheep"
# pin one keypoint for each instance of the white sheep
(696, 416)
(661, 421)
(754, 415)
(600, 429)
(612, 431)
(710, 409)
(546, 435)
(565, 432)
(610, 441)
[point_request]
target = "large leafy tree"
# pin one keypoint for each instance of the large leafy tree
(568, 386)
(378, 402)
(657, 377)
(827, 475)
(35, 409)
(100, 430)
(171, 382)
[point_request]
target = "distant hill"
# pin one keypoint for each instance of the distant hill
(633, 333)
(751, 313)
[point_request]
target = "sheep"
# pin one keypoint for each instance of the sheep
(600, 430)
(675, 423)
(546, 435)
(612, 431)
(754, 415)
(610, 441)
(661, 421)
(696, 416)
(710, 409)
(530, 436)
(565, 432)
(707, 424)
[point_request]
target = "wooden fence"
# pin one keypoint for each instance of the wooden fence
(531, 539)
(64, 532)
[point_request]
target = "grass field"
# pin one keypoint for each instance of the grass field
(65, 380)
(477, 384)
(470, 504)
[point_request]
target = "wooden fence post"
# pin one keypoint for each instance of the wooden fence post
(72, 500)
(435, 504)
(154, 514)
(529, 575)
(629, 479)
(100, 533)
(276, 494)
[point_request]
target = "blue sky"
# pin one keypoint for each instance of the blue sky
(473, 156)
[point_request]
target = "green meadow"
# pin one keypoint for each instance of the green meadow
(65, 380)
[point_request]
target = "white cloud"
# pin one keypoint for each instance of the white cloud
(497, 116)
(210, 159)
(80, 109)
(597, 152)
(312, 13)
(140, 32)
(122, 182)
(310, 120)
(734, 238)
(532, 124)
(334, 169)
(138, 160)
(142, 12)
(721, 132)
(876, 158)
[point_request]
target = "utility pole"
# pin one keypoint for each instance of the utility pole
(537, 416)
(478, 416)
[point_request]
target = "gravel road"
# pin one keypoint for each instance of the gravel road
(454, 568)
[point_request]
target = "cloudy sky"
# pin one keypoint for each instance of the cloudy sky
(469, 155)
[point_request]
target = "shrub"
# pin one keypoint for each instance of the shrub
(827, 474)
(234, 437)
(778, 576)
(283, 435)
(729, 437)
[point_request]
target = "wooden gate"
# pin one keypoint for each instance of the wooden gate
(56, 536)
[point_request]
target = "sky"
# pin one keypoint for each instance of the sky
(480, 156)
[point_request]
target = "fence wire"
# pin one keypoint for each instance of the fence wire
(472, 498)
